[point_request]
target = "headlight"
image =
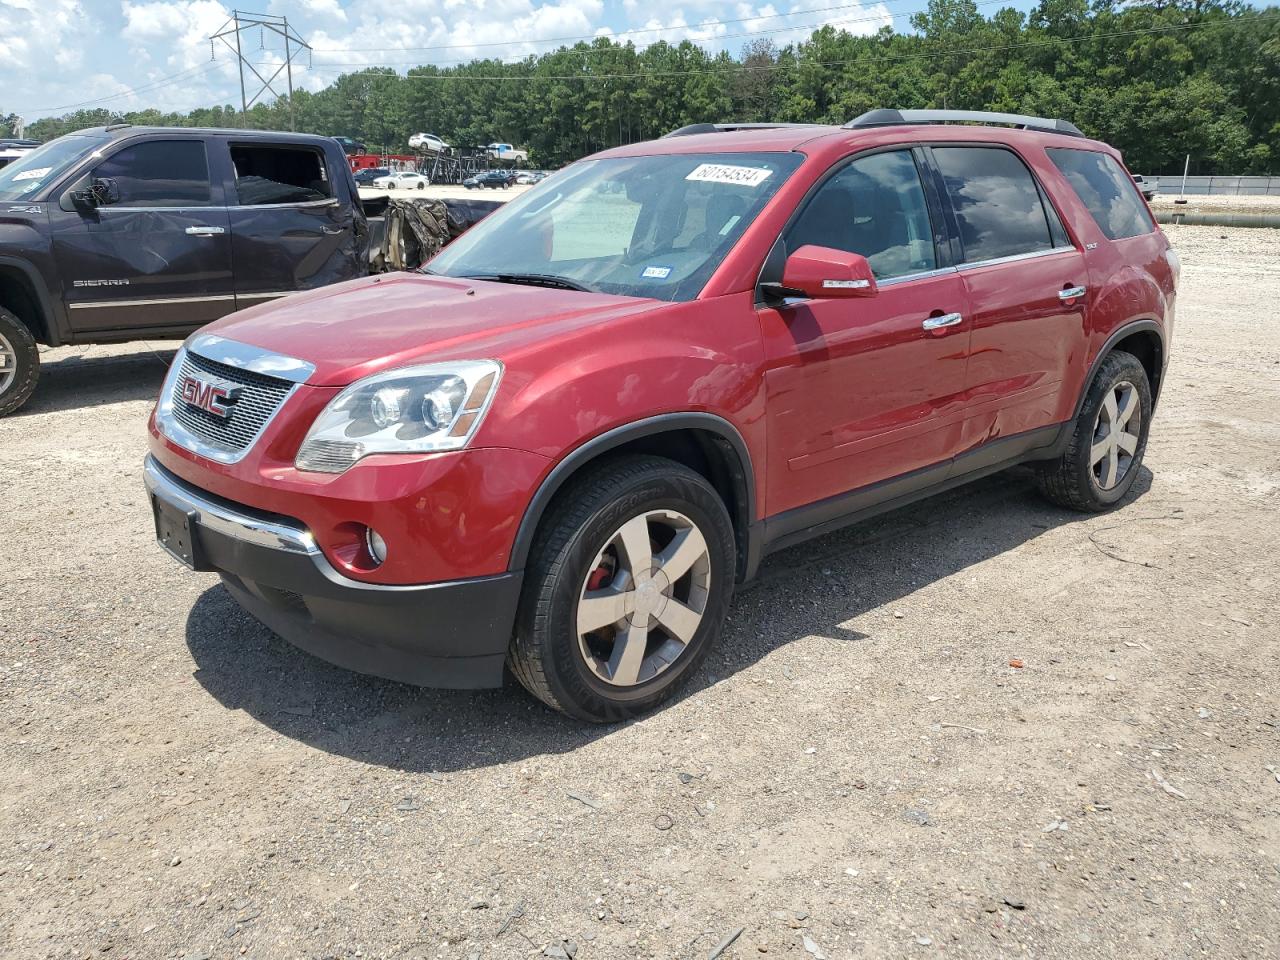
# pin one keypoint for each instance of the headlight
(424, 409)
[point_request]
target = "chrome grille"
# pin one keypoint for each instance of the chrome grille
(260, 397)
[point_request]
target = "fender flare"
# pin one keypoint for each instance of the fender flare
(612, 439)
(1124, 330)
(35, 283)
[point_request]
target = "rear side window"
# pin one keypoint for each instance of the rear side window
(996, 202)
(159, 173)
(875, 206)
(273, 175)
(1106, 190)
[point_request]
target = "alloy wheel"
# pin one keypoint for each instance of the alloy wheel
(1116, 435)
(8, 364)
(643, 598)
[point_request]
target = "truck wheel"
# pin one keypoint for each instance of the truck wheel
(1107, 442)
(19, 363)
(628, 586)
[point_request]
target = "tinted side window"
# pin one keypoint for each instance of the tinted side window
(266, 175)
(996, 202)
(875, 206)
(1104, 187)
(161, 173)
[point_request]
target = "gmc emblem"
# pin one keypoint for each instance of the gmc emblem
(211, 396)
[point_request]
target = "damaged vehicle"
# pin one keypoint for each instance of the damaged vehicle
(557, 448)
(129, 233)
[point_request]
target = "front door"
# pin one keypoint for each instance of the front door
(861, 390)
(158, 258)
(290, 229)
(1026, 283)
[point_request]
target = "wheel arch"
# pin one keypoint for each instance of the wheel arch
(21, 295)
(704, 442)
(1144, 338)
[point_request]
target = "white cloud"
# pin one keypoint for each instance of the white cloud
(55, 52)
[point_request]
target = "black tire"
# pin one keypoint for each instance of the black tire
(27, 365)
(1070, 481)
(545, 653)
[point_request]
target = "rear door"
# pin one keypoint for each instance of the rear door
(1026, 285)
(157, 259)
(292, 223)
(861, 390)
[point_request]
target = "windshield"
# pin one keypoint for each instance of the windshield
(25, 176)
(655, 226)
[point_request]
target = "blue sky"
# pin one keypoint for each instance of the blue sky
(57, 55)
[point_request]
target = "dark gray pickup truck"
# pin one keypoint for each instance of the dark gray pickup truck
(130, 233)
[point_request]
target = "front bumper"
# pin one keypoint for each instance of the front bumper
(451, 634)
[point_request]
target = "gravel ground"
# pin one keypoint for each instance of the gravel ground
(1215, 203)
(862, 771)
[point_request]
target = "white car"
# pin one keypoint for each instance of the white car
(427, 143)
(505, 151)
(405, 180)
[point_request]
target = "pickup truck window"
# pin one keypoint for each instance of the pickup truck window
(275, 175)
(25, 176)
(649, 226)
(159, 173)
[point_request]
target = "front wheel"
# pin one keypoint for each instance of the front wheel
(1108, 439)
(19, 363)
(628, 586)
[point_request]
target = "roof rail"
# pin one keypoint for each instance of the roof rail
(727, 127)
(892, 118)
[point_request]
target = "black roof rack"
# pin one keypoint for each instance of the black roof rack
(726, 127)
(892, 118)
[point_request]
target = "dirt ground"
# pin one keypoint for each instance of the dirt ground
(859, 772)
(1214, 203)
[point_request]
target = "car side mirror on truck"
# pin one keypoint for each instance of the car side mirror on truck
(100, 192)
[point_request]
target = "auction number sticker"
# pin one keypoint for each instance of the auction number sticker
(728, 173)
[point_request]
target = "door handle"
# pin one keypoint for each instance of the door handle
(946, 320)
(1070, 293)
(205, 231)
(332, 231)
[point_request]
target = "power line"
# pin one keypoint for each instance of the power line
(710, 22)
(152, 85)
(812, 27)
(744, 68)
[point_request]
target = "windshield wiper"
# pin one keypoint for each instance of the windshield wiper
(533, 280)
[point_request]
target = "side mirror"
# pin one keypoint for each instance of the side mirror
(100, 192)
(823, 273)
(105, 191)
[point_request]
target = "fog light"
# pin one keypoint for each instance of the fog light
(377, 546)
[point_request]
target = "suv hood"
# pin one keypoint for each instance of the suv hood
(354, 329)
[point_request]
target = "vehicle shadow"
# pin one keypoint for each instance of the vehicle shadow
(73, 381)
(809, 589)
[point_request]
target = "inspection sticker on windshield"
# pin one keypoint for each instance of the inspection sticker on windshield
(31, 174)
(728, 173)
(655, 273)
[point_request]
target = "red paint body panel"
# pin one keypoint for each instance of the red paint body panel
(828, 395)
(859, 392)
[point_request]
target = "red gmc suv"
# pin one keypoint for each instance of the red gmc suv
(558, 446)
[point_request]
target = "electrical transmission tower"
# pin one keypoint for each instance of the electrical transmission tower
(229, 33)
